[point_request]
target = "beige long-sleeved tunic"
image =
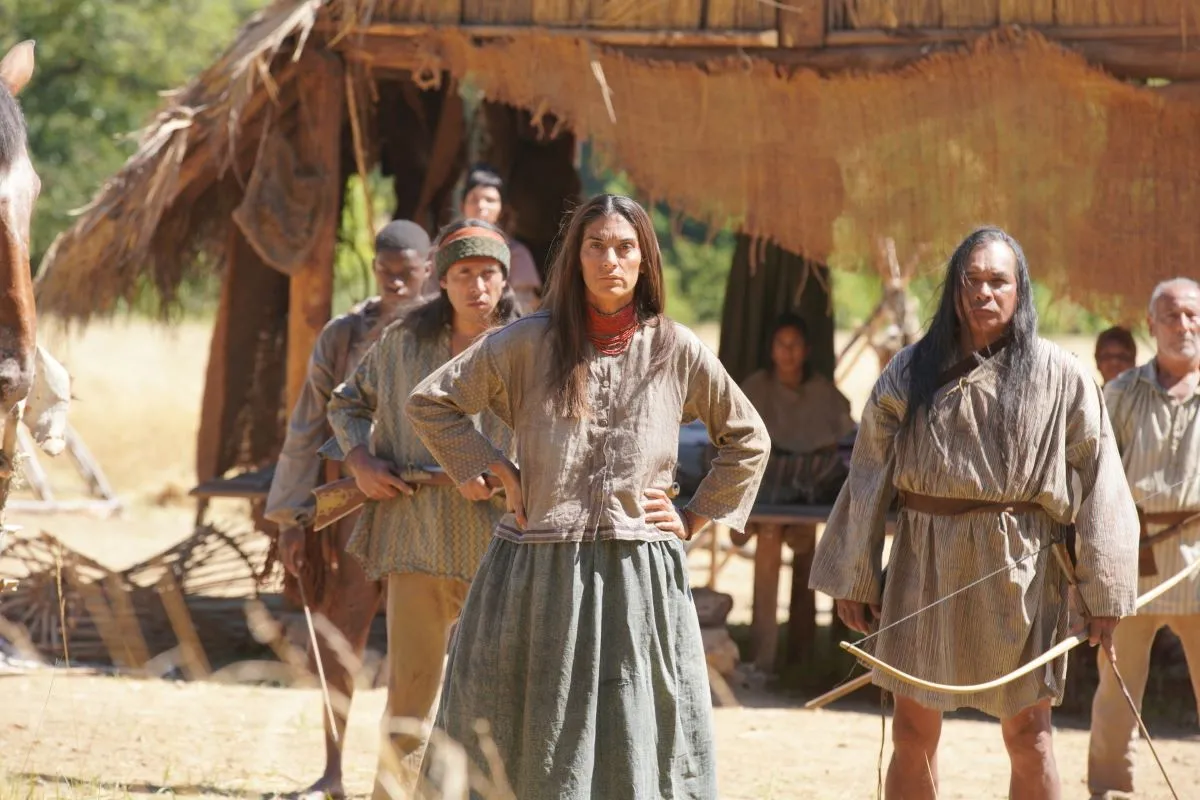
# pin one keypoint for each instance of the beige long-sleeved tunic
(583, 479)
(1159, 440)
(811, 416)
(340, 346)
(436, 531)
(959, 451)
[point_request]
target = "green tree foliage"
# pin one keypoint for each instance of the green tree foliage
(101, 66)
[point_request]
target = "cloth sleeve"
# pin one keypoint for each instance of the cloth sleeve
(351, 409)
(441, 406)
(289, 500)
(1106, 523)
(848, 563)
(727, 493)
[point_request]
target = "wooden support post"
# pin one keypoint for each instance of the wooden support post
(195, 662)
(764, 627)
(802, 23)
(322, 110)
(132, 641)
(802, 611)
(98, 609)
(240, 423)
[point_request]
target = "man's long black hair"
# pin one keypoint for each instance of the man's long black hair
(941, 347)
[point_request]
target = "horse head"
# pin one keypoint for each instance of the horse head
(19, 188)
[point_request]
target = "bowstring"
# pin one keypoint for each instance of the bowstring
(1192, 476)
(1050, 543)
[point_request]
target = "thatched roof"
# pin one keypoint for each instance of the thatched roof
(1097, 177)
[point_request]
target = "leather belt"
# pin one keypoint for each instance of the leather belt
(1165, 517)
(956, 506)
(1147, 565)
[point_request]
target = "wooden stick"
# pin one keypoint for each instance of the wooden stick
(98, 609)
(613, 36)
(88, 467)
(195, 662)
(127, 622)
(910, 36)
(360, 157)
(1137, 59)
(839, 692)
(31, 467)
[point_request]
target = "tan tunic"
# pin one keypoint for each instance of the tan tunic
(523, 276)
(583, 479)
(800, 420)
(341, 345)
(1159, 440)
(1014, 616)
(436, 531)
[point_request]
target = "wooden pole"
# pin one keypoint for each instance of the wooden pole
(126, 622)
(195, 661)
(907, 36)
(322, 110)
(764, 626)
(802, 23)
(611, 36)
(802, 608)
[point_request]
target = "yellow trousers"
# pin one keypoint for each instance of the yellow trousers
(1114, 736)
(421, 610)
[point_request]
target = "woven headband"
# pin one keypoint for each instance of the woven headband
(470, 242)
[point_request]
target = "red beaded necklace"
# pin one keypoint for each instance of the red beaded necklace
(611, 334)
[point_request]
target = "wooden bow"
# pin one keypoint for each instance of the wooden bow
(1062, 648)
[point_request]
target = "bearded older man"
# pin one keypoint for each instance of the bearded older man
(1155, 412)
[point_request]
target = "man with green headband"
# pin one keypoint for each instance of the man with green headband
(425, 541)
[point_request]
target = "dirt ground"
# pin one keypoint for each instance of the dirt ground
(98, 737)
(63, 735)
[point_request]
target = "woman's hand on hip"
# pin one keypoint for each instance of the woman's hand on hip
(475, 489)
(662, 514)
(510, 476)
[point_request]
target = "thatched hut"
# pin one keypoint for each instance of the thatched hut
(814, 126)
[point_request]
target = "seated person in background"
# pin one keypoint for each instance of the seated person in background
(804, 413)
(483, 199)
(1116, 351)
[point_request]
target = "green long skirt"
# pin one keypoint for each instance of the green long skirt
(585, 658)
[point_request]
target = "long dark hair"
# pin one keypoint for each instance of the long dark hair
(566, 300)
(940, 348)
(427, 321)
(789, 319)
